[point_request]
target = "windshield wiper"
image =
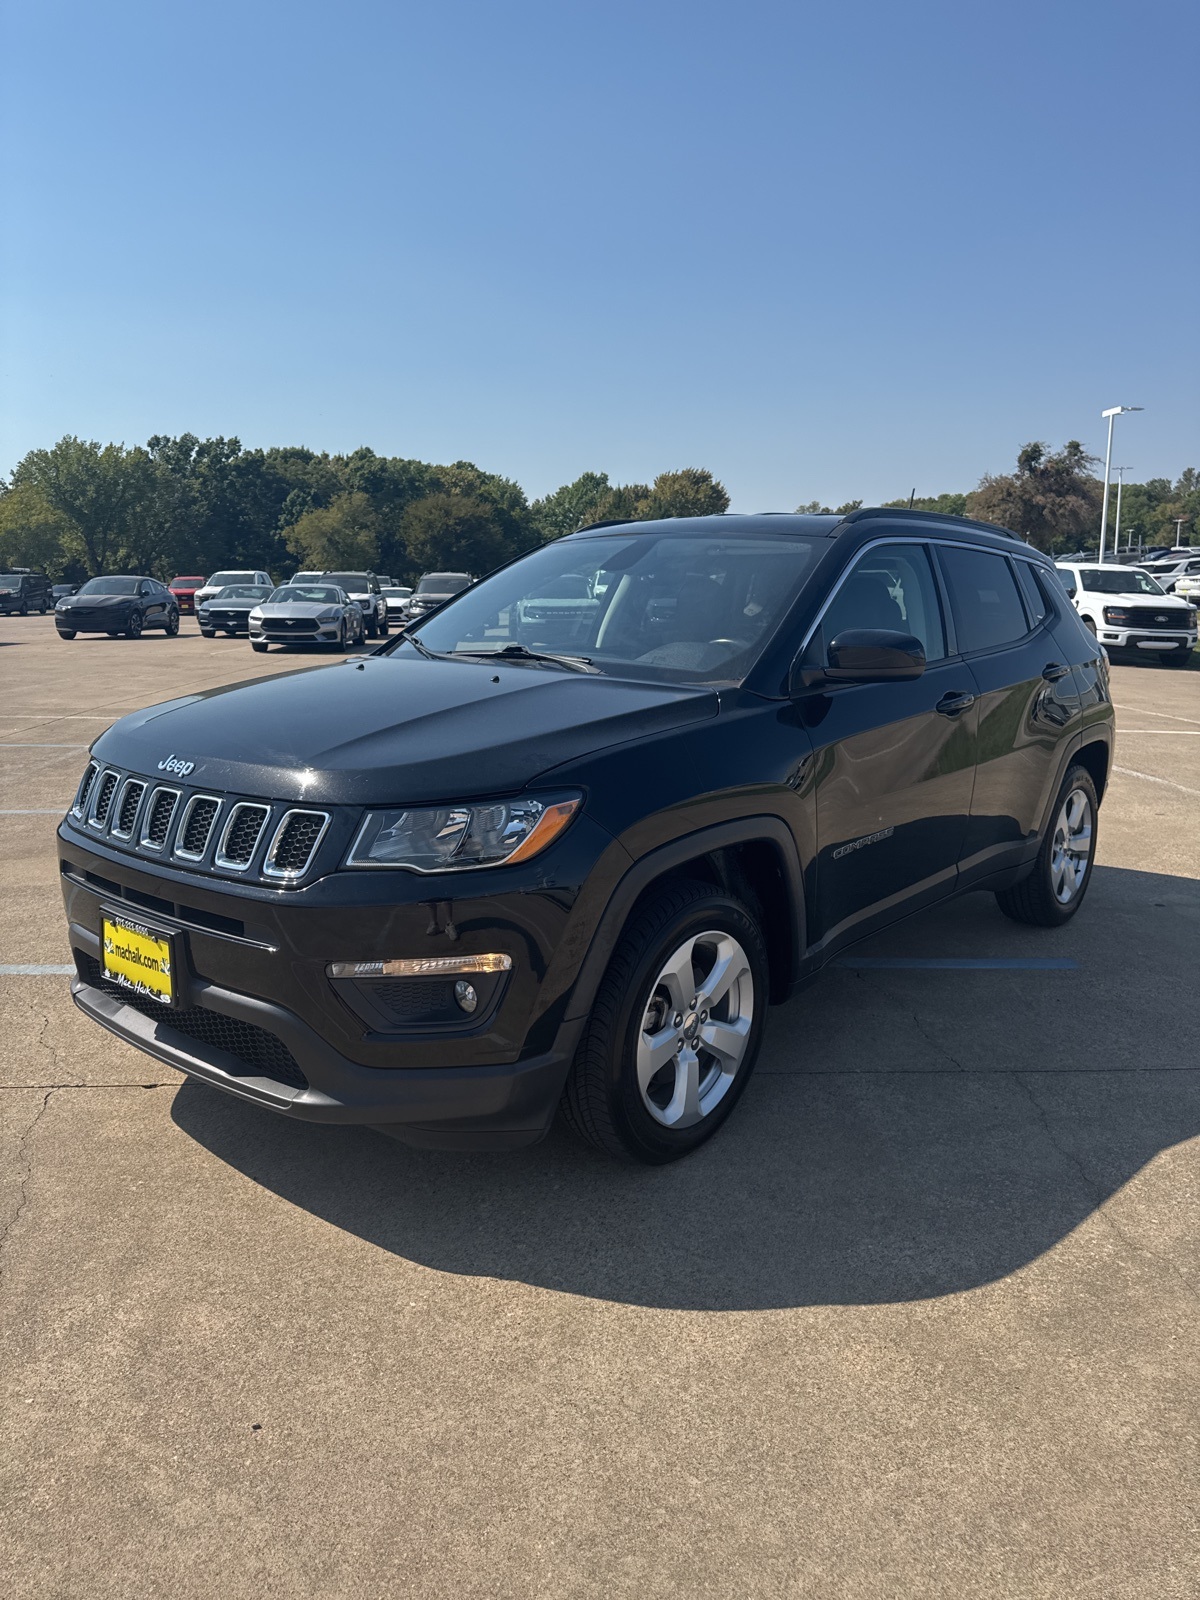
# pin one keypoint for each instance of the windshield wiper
(519, 652)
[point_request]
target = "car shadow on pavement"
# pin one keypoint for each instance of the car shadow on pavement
(939, 1140)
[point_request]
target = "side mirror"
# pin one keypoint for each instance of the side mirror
(873, 655)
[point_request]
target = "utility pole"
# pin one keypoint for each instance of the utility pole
(1179, 522)
(1120, 472)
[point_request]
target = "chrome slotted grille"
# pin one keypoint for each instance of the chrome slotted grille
(127, 808)
(242, 833)
(158, 818)
(198, 817)
(295, 841)
(211, 833)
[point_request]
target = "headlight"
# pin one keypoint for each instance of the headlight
(453, 838)
(331, 615)
(1191, 620)
(1116, 614)
(256, 615)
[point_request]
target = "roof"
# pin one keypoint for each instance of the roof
(802, 524)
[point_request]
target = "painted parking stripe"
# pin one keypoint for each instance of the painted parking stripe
(1163, 733)
(30, 970)
(38, 811)
(1145, 711)
(959, 963)
(4, 745)
(1148, 777)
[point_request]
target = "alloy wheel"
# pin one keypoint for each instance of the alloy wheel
(1071, 850)
(696, 1029)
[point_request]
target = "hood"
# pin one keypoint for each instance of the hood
(294, 608)
(88, 600)
(392, 730)
(1131, 597)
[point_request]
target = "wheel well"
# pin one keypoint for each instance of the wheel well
(753, 873)
(1094, 758)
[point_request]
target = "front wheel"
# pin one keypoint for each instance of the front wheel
(261, 648)
(343, 640)
(208, 633)
(172, 624)
(24, 608)
(1054, 890)
(133, 629)
(43, 608)
(675, 1027)
(66, 633)
(1181, 658)
(384, 625)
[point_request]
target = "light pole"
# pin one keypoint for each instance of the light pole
(1112, 413)
(1120, 472)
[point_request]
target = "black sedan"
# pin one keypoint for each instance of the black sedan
(228, 610)
(117, 606)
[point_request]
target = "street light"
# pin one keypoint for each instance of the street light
(1112, 413)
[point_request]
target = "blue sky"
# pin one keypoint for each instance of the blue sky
(827, 251)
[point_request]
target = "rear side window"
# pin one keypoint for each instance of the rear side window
(983, 591)
(1035, 600)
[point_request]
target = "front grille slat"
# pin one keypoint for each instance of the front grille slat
(242, 833)
(85, 786)
(158, 818)
(259, 1053)
(102, 797)
(1155, 617)
(295, 843)
(198, 818)
(127, 808)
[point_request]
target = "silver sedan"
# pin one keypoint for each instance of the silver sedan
(307, 613)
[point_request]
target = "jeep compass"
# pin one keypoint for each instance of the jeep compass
(563, 843)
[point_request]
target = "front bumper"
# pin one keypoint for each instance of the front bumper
(1140, 639)
(325, 633)
(491, 1083)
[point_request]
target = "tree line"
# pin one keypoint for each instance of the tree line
(190, 505)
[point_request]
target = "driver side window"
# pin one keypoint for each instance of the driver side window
(891, 586)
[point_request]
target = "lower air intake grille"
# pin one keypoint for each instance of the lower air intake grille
(130, 800)
(259, 1053)
(241, 836)
(292, 848)
(158, 824)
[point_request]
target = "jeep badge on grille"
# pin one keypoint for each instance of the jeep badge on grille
(177, 765)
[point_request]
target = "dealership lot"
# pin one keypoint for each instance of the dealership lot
(921, 1320)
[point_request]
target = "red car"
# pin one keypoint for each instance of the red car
(184, 590)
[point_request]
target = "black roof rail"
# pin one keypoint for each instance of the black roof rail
(866, 513)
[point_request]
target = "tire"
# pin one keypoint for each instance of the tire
(209, 633)
(24, 608)
(1090, 626)
(261, 648)
(1181, 659)
(1037, 899)
(679, 1109)
(172, 627)
(66, 633)
(343, 643)
(134, 628)
(43, 608)
(384, 625)
(370, 629)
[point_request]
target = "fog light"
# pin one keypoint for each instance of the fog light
(464, 993)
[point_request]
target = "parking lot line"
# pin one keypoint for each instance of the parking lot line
(1145, 711)
(958, 963)
(31, 970)
(36, 811)
(4, 745)
(1162, 733)
(1131, 772)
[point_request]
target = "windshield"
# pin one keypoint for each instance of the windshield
(180, 583)
(397, 592)
(110, 586)
(243, 591)
(220, 579)
(665, 607)
(1118, 580)
(352, 582)
(307, 594)
(443, 583)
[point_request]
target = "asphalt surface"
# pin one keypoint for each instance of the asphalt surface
(922, 1320)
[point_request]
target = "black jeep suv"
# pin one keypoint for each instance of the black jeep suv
(566, 841)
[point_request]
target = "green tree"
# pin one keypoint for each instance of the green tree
(1053, 498)
(104, 494)
(33, 534)
(456, 533)
(572, 506)
(690, 492)
(949, 505)
(342, 534)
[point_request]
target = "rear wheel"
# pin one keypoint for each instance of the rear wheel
(675, 1028)
(1054, 890)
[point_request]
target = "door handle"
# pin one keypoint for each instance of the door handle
(1053, 671)
(951, 704)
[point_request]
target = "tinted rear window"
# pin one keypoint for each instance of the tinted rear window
(987, 605)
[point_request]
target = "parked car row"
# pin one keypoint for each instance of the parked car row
(1126, 609)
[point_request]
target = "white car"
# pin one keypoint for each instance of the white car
(364, 589)
(1171, 571)
(1127, 610)
(222, 580)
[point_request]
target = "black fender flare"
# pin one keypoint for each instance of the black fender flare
(667, 858)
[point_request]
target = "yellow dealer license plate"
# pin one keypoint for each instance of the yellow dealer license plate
(138, 958)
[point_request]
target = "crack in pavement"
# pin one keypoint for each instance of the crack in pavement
(25, 1167)
(1097, 1193)
(862, 973)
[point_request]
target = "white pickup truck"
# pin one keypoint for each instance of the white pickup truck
(1127, 610)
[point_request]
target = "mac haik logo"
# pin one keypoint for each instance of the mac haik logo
(177, 766)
